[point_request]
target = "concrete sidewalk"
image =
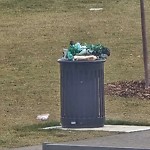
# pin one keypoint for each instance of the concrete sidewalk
(135, 140)
(109, 128)
(140, 140)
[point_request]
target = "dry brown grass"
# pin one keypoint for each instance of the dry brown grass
(32, 39)
(128, 109)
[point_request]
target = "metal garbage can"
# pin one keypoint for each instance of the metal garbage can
(82, 93)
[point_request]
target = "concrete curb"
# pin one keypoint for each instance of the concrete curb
(47, 146)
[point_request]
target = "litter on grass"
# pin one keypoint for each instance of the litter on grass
(91, 9)
(42, 117)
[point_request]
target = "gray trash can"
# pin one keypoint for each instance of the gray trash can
(82, 93)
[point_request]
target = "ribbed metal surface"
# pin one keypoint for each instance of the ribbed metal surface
(82, 94)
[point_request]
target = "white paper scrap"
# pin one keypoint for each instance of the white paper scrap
(95, 9)
(42, 117)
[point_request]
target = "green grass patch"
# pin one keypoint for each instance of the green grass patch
(123, 122)
(36, 127)
(18, 6)
(33, 134)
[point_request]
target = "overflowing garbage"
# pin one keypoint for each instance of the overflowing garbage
(77, 51)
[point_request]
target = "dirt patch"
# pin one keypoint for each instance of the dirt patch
(128, 89)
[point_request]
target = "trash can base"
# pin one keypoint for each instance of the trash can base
(82, 123)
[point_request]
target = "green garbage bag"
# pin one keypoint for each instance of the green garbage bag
(87, 49)
(73, 50)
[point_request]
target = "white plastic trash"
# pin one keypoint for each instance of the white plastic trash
(42, 117)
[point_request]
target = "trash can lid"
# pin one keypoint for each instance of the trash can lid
(81, 61)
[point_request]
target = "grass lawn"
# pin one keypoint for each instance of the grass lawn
(33, 34)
